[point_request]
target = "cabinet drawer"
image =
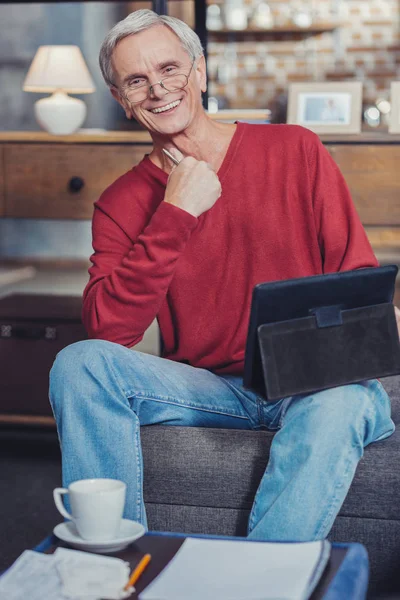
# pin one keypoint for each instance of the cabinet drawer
(372, 174)
(61, 181)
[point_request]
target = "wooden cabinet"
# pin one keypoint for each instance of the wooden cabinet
(62, 182)
(61, 177)
(370, 164)
(372, 174)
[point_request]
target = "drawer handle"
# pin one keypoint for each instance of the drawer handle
(75, 184)
(28, 332)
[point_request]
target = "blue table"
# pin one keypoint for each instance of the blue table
(344, 578)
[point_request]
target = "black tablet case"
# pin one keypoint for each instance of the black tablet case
(322, 332)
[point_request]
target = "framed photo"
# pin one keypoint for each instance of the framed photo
(394, 123)
(326, 107)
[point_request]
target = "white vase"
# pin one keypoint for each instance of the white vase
(235, 14)
(262, 16)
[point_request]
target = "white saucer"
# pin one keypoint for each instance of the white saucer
(128, 533)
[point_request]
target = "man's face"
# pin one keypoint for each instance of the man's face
(147, 57)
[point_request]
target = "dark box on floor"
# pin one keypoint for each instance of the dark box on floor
(33, 329)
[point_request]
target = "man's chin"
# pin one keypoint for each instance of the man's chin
(166, 129)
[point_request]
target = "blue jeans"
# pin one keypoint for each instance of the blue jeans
(101, 393)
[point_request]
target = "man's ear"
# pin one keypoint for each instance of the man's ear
(202, 73)
(128, 112)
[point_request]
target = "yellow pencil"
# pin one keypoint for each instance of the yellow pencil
(138, 570)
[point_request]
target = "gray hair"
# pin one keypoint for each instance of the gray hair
(140, 20)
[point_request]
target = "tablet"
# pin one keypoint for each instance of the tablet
(277, 301)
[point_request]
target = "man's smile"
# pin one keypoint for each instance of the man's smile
(166, 108)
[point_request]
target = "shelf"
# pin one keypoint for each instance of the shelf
(35, 420)
(365, 137)
(87, 136)
(93, 136)
(142, 137)
(284, 29)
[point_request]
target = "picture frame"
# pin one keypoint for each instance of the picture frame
(394, 122)
(326, 107)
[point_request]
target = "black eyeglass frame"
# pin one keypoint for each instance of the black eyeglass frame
(151, 86)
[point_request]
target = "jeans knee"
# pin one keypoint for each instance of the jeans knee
(349, 403)
(354, 413)
(73, 357)
(342, 413)
(73, 364)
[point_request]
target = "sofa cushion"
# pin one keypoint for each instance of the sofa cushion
(392, 387)
(377, 480)
(202, 466)
(222, 467)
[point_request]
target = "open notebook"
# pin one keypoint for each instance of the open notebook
(240, 570)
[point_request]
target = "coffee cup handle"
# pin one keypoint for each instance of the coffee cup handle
(57, 493)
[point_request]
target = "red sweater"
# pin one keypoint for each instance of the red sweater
(285, 211)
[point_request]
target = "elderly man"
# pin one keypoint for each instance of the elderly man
(187, 244)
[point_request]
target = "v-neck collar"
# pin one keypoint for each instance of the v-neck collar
(162, 176)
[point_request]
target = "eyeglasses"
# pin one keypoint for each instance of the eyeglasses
(172, 83)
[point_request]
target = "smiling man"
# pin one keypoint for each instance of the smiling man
(187, 244)
(159, 84)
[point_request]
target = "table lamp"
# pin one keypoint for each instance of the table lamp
(59, 69)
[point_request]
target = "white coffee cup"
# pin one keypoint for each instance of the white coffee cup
(97, 506)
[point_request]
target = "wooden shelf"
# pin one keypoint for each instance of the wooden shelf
(141, 137)
(284, 29)
(93, 136)
(35, 420)
(84, 137)
(365, 137)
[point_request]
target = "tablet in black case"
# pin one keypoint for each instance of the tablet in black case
(314, 333)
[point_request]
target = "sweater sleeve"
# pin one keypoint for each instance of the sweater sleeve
(128, 282)
(342, 239)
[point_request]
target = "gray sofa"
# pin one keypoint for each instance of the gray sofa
(204, 480)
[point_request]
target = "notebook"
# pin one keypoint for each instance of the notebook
(240, 570)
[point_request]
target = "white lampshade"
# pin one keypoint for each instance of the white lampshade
(59, 68)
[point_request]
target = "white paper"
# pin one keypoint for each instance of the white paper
(85, 575)
(236, 570)
(65, 575)
(32, 576)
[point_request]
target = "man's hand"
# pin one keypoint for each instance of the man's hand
(192, 185)
(397, 314)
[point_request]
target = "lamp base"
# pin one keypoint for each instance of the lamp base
(59, 114)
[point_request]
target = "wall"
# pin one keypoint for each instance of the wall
(365, 47)
(250, 71)
(23, 28)
(45, 239)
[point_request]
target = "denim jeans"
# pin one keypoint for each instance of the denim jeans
(101, 393)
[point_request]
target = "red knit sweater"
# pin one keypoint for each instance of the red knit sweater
(285, 211)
